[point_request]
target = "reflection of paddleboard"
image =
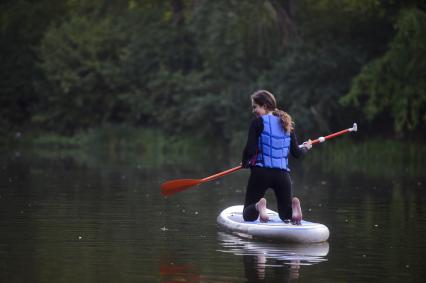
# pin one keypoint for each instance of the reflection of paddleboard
(305, 254)
(275, 229)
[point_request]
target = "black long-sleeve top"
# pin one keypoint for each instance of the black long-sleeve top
(255, 130)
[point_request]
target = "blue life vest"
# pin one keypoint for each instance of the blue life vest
(274, 144)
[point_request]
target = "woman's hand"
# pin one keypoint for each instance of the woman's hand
(245, 164)
(308, 144)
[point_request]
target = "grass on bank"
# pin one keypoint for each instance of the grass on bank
(372, 157)
(116, 142)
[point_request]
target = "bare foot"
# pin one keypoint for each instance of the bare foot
(261, 207)
(297, 211)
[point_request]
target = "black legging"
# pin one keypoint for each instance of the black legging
(260, 180)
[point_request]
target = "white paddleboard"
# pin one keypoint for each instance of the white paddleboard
(231, 219)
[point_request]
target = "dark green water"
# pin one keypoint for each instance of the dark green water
(86, 218)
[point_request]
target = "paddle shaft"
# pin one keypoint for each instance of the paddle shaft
(220, 174)
(323, 139)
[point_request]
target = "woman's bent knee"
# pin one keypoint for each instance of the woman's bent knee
(250, 213)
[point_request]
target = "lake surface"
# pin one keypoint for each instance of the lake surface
(94, 218)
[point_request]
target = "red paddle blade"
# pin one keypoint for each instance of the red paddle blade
(175, 186)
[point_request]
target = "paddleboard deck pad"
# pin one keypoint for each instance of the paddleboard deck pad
(231, 220)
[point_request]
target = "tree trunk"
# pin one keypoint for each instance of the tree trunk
(177, 7)
(284, 9)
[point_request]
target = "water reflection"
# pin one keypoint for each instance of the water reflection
(171, 271)
(284, 260)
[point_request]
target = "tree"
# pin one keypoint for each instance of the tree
(23, 23)
(395, 82)
(82, 62)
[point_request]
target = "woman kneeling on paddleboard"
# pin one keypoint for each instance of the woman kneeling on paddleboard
(270, 139)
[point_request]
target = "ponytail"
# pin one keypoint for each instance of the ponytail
(286, 120)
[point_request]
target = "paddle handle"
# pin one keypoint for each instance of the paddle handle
(218, 175)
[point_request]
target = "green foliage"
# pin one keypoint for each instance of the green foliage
(188, 67)
(405, 159)
(82, 62)
(395, 83)
(314, 78)
(197, 74)
(316, 69)
(113, 140)
(22, 24)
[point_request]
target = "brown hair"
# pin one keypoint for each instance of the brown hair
(267, 99)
